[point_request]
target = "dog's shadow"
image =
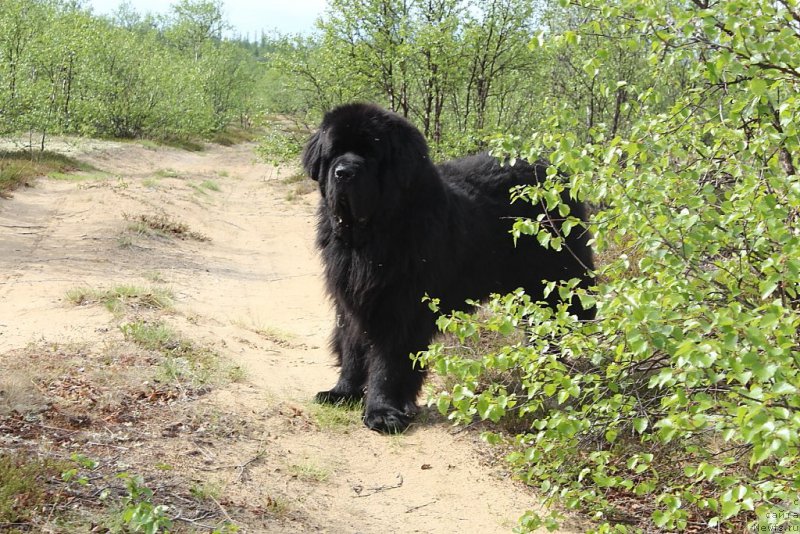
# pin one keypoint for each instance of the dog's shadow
(429, 417)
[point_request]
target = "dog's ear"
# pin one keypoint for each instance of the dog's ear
(409, 155)
(312, 156)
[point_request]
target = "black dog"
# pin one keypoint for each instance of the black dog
(393, 227)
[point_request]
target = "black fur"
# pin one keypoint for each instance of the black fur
(392, 227)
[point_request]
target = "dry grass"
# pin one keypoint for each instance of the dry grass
(97, 401)
(94, 398)
(299, 186)
(123, 298)
(26, 486)
(162, 225)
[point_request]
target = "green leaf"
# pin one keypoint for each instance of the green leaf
(729, 509)
(640, 424)
(758, 86)
(661, 518)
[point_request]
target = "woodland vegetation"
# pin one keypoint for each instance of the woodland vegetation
(678, 407)
(65, 70)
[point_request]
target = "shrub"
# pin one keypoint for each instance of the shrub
(683, 394)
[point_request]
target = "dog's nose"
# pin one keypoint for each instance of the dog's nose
(343, 171)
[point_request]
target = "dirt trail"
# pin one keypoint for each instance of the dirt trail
(253, 292)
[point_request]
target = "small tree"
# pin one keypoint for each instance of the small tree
(194, 23)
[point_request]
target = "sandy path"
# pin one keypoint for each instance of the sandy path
(254, 293)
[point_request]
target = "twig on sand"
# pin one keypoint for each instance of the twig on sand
(241, 467)
(415, 508)
(222, 509)
(362, 492)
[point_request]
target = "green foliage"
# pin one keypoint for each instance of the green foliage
(64, 70)
(459, 69)
(281, 144)
(683, 394)
(74, 474)
(140, 513)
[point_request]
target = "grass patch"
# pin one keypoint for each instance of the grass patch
(277, 507)
(151, 335)
(211, 185)
(340, 418)
(24, 488)
(309, 472)
(18, 168)
(155, 277)
(85, 392)
(236, 373)
(167, 173)
(77, 176)
(197, 370)
(300, 186)
(123, 297)
(125, 241)
(205, 186)
(189, 145)
(199, 190)
(162, 225)
(295, 178)
(275, 335)
(197, 366)
(184, 361)
(234, 136)
(206, 491)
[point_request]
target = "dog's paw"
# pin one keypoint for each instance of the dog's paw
(387, 419)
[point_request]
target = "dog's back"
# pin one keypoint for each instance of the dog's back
(480, 188)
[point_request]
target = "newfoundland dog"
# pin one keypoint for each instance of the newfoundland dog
(394, 227)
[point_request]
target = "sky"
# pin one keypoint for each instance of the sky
(246, 16)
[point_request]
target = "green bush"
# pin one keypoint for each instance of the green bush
(280, 145)
(683, 394)
(65, 70)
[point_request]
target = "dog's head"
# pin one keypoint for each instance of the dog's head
(363, 158)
